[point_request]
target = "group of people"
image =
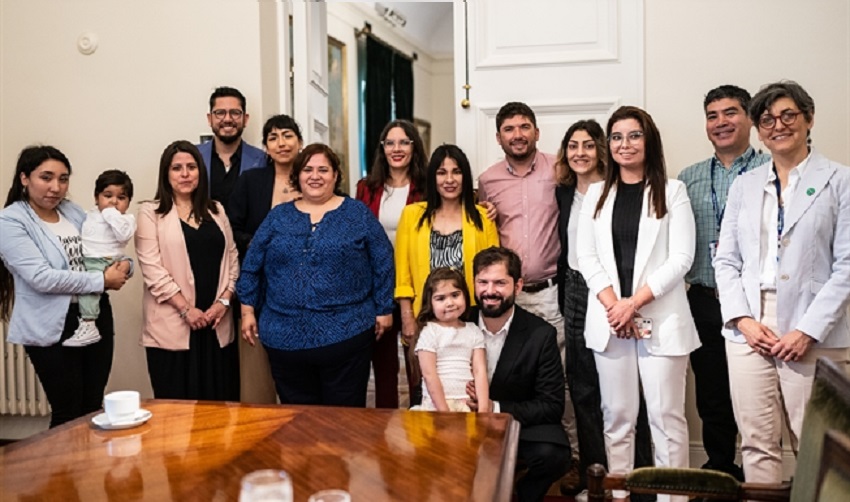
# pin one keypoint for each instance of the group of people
(572, 292)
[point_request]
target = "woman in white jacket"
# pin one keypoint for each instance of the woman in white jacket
(635, 244)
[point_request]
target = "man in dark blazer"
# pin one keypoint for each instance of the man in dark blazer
(525, 370)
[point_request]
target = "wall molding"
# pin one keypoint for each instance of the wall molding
(544, 51)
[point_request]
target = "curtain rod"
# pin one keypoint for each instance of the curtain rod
(367, 30)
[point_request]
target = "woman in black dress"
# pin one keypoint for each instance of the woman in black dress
(188, 258)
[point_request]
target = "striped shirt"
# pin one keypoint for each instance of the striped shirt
(698, 180)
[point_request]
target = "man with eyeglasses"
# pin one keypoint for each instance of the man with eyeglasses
(227, 156)
(522, 188)
(727, 126)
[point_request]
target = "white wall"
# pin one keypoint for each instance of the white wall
(147, 84)
(694, 46)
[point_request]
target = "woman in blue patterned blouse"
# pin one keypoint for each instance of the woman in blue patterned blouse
(317, 288)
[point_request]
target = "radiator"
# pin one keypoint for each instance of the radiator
(20, 390)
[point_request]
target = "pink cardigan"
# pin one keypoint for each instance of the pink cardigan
(164, 262)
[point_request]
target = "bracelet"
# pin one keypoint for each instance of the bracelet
(184, 312)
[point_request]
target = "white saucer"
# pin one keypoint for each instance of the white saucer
(103, 422)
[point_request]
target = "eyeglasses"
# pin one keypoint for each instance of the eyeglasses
(617, 139)
(402, 143)
(221, 113)
(788, 117)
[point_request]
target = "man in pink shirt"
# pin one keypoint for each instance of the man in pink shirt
(522, 188)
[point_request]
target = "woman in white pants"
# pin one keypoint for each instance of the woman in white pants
(635, 244)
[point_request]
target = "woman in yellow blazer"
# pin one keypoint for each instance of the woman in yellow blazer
(188, 259)
(446, 230)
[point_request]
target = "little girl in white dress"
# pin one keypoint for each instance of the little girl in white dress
(450, 351)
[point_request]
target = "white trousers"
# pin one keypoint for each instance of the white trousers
(544, 304)
(764, 391)
(623, 368)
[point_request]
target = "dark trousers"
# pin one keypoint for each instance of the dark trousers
(385, 365)
(583, 380)
(546, 463)
(334, 375)
(74, 377)
(711, 375)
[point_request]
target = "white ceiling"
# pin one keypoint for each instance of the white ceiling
(429, 24)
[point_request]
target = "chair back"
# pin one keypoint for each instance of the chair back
(834, 477)
(828, 408)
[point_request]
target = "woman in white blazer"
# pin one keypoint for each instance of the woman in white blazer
(635, 244)
(783, 274)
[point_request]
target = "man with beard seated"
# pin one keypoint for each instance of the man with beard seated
(525, 371)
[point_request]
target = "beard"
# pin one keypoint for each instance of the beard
(229, 139)
(506, 303)
(530, 151)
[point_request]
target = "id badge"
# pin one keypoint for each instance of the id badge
(644, 325)
(712, 249)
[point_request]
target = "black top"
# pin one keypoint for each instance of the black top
(564, 195)
(250, 202)
(625, 224)
(222, 181)
(205, 246)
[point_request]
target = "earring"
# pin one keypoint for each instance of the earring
(24, 193)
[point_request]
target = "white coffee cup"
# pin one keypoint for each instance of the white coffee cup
(121, 406)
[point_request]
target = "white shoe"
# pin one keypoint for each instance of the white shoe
(86, 334)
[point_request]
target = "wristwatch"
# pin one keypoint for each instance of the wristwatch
(224, 302)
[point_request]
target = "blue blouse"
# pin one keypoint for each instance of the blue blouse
(317, 287)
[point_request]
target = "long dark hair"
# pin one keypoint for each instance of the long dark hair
(655, 170)
(433, 201)
(440, 274)
(380, 171)
(203, 206)
(565, 175)
(28, 161)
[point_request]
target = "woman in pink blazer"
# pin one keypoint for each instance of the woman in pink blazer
(188, 259)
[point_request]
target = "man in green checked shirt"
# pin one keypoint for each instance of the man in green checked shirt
(728, 128)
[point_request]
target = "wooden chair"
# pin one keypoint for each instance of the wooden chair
(834, 477)
(828, 408)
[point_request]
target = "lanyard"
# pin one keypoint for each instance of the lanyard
(780, 214)
(718, 214)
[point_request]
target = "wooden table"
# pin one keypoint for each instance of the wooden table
(200, 450)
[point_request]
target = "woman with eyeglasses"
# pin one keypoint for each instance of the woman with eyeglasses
(396, 179)
(783, 274)
(581, 162)
(447, 229)
(635, 242)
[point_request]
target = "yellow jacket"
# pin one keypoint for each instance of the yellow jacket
(413, 251)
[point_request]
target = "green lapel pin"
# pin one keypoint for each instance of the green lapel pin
(810, 192)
